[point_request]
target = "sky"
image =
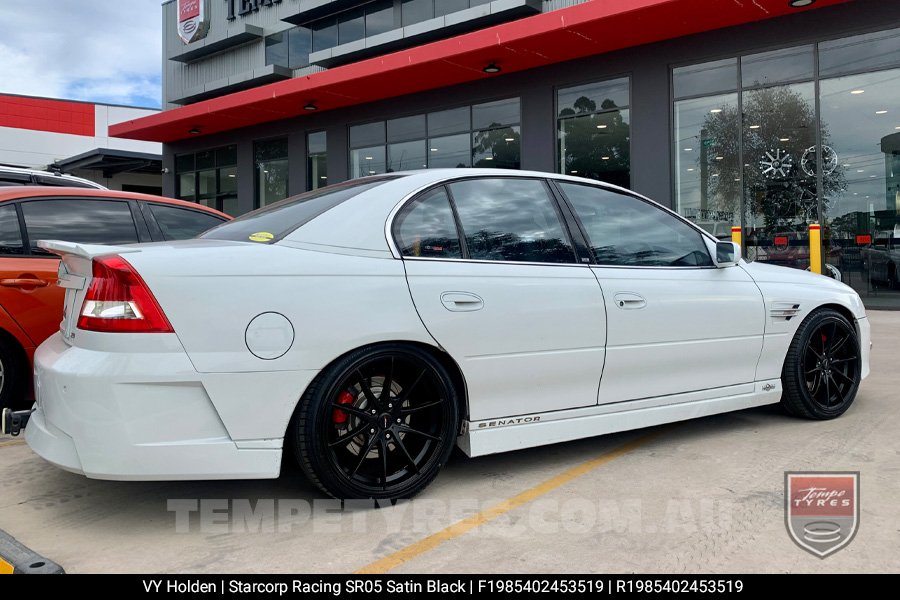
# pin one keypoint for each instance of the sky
(96, 50)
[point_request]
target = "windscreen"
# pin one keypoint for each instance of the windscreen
(272, 223)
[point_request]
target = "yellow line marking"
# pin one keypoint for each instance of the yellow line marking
(12, 443)
(391, 561)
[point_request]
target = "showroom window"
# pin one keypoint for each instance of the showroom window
(749, 134)
(625, 231)
(209, 178)
(483, 135)
(316, 161)
(270, 159)
(593, 133)
(510, 220)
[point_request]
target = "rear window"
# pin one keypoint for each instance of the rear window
(270, 224)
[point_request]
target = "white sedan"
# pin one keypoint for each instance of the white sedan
(368, 327)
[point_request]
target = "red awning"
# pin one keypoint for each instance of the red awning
(583, 30)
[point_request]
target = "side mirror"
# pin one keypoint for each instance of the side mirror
(728, 254)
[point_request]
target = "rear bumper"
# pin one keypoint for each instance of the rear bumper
(135, 416)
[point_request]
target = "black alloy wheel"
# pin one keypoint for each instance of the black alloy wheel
(823, 368)
(378, 424)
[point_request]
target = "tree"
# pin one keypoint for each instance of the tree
(595, 144)
(779, 170)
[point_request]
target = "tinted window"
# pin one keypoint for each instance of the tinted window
(626, 231)
(76, 220)
(10, 235)
(426, 227)
(182, 223)
(510, 219)
(277, 220)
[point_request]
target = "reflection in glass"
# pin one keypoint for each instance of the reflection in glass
(299, 47)
(596, 145)
(592, 97)
(449, 121)
(705, 78)
(406, 128)
(707, 174)
(495, 114)
(271, 160)
(367, 161)
(351, 26)
(450, 151)
(187, 186)
(316, 161)
(367, 134)
(406, 156)
(379, 17)
(324, 34)
(82, 221)
(869, 51)
(207, 183)
(277, 49)
(497, 148)
(415, 11)
(10, 234)
(863, 215)
(509, 219)
(181, 223)
(778, 66)
(426, 227)
(228, 180)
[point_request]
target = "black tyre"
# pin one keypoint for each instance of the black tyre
(380, 423)
(822, 370)
(892, 277)
(13, 376)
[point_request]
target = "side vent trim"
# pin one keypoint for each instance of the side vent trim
(784, 310)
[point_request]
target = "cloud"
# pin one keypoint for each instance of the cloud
(92, 50)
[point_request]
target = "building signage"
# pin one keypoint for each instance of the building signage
(192, 23)
(240, 8)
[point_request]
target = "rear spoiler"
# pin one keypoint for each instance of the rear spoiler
(86, 251)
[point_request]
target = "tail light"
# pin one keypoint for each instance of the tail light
(118, 300)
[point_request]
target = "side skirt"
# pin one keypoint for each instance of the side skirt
(527, 431)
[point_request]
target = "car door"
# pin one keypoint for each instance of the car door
(676, 323)
(28, 289)
(495, 279)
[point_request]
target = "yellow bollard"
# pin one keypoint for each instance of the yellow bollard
(736, 236)
(815, 248)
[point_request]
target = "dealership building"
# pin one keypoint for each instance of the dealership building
(769, 115)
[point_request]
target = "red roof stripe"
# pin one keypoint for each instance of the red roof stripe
(47, 114)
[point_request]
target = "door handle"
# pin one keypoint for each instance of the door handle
(24, 283)
(629, 300)
(461, 301)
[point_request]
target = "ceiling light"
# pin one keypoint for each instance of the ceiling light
(880, 112)
(310, 106)
(604, 157)
(857, 92)
(800, 3)
(720, 157)
(688, 149)
(573, 172)
(873, 176)
(754, 127)
(194, 131)
(690, 170)
(371, 172)
(601, 126)
(231, 175)
(509, 139)
(368, 158)
(322, 177)
(860, 170)
(714, 175)
(492, 68)
(784, 139)
(434, 149)
(897, 127)
(716, 110)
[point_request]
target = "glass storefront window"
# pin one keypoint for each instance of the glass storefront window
(450, 151)
(351, 26)
(404, 156)
(406, 128)
(324, 34)
(497, 148)
(449, 121)
(187, 187)
(416, 11)
(707, 174)
(367, 161)
(379, 17)
(593, 131)
(862, 232)
(870, 51)
(779, 66)
(316, 160)
(208, 177)
(706, 78)
(495, 114)
(270, 159)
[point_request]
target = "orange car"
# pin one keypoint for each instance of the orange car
(30, 301)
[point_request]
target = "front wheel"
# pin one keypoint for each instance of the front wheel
(380, 423)
(823, 368)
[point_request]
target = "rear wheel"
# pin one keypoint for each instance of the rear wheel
(822, 370)
(380, 423)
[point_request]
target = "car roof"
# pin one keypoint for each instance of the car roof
(8, 194)
(5, 169)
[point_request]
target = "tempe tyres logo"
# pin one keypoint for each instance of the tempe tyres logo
(821, 509)
(192, 22)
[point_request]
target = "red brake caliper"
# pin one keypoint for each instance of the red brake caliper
(338, 416)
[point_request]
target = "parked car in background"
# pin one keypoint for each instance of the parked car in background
(883, 257)
(30, 301)
(368, 327)
(14, 176)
